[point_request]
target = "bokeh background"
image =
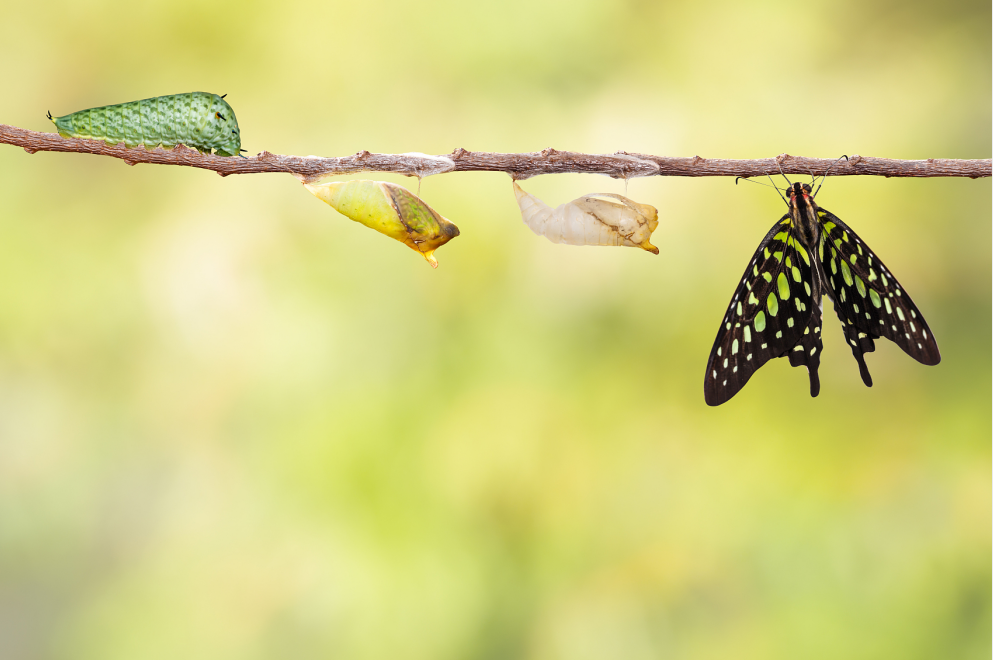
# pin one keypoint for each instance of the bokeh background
(234, 424)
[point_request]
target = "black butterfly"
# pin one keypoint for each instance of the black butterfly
(776, 311)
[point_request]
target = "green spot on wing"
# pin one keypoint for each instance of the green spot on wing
(846, 272)
(760, 322)
(784, 286)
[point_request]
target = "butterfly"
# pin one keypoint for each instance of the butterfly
(776, 310)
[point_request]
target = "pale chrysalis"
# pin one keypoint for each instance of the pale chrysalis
(591, 220)
(389, 209)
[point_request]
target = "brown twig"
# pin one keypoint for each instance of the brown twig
(619, 165)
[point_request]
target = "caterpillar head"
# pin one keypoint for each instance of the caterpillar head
(226, 136)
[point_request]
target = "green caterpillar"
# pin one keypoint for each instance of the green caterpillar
(199, 120)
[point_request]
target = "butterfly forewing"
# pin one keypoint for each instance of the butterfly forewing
(774, 310)
(868, 299)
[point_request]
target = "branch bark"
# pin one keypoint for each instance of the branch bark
(620, 165)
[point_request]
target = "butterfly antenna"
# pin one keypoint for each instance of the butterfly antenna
(223, 95)
(49, 115)
(777, 188)
(758, 183)
(826, 173)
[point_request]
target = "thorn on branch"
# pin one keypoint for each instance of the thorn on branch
(548, 152)
(30, 151)
(458, 153)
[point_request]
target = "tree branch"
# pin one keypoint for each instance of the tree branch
(619, 165)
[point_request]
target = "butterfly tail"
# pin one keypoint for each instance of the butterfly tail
(861, 344)
(808, 351)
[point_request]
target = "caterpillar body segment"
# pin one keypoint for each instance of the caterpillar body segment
(389, 209)
(594, 219)
(199, 120)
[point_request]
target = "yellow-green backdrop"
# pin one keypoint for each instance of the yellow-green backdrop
(234, 424)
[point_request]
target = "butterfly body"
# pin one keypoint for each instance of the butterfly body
(776, 311)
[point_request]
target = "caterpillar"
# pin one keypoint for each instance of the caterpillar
(389, 209)
(590, 220)
(199, 120)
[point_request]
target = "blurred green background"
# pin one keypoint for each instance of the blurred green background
(234, 424)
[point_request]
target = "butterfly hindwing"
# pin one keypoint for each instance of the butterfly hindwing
(868, 299)
(774, 310)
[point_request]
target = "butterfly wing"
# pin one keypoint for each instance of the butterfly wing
(774, 312)
(868, 299)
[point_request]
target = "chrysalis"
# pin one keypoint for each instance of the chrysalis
(389, 209)
(199, 120)
(590, 220)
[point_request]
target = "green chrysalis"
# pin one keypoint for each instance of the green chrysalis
(389, 209)
(199, 120)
